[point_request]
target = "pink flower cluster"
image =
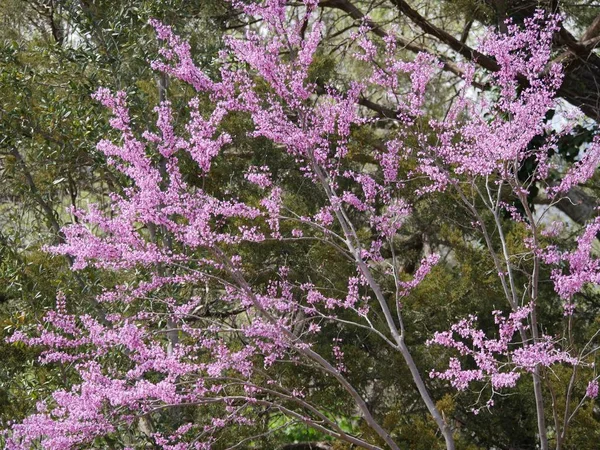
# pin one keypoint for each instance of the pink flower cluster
(583, 266)
(499, 361)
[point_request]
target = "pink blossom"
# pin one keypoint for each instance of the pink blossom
(592, 389)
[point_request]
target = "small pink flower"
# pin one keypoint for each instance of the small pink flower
(592, 389)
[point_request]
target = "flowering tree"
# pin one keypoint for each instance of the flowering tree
(157, 346)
